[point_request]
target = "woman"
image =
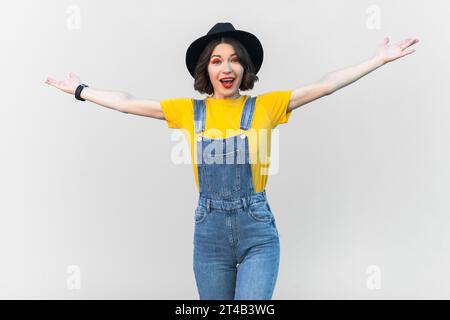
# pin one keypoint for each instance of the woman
(236, 242)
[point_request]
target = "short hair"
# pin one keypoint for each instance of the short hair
(202, 82)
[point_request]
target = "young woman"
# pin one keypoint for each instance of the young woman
(236, 242)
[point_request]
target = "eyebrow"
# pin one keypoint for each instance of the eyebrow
(218, 55)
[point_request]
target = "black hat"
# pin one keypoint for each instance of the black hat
(225, 29)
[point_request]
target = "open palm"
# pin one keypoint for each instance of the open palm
(390, 52)
(69, 85)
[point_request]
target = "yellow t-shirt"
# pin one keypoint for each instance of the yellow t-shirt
(223, 116)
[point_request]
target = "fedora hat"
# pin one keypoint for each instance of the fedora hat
(225, 29)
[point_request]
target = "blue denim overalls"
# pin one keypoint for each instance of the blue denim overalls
(236, 243)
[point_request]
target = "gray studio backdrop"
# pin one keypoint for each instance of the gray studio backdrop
(93, 205)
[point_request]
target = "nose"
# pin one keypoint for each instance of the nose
(227, 67)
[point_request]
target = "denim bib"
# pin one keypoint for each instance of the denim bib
(224, 169)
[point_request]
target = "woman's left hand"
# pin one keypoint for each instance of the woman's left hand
(389, 52)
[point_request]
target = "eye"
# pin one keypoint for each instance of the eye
(233, 60)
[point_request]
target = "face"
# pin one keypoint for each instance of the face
(223, 63)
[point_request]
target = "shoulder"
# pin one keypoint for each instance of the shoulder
(177, 111)
(274, 97)
(177, 101)
(180, 105)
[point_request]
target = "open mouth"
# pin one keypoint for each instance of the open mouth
(227, 83)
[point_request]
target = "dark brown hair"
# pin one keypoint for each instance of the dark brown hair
(202, 82)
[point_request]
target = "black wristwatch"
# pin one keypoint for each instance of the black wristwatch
(78, 92)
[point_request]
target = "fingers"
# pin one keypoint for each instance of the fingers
(408, 51)
(58, 84)
(385, 41)
(402, 44)
(415, 40)
(52, 82)
(407, 42)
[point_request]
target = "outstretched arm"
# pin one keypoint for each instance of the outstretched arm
(336, 80)
(117, 100)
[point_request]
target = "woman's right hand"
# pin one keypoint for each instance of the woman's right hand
(69, 85)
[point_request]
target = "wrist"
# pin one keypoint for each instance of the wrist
(377, 61)
(79, 90)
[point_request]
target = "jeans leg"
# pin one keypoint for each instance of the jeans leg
(214, 258)
(215, 281)
(257, 273)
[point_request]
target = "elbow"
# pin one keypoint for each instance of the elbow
(329, 88)
(126, 96)
(123, 102)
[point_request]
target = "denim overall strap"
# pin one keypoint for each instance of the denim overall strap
(199, 115)
(247, 113)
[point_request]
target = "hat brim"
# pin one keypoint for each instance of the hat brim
(248, 40)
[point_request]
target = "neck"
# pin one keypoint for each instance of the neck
(235, 96)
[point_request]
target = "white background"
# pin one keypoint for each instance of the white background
(363, 177)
